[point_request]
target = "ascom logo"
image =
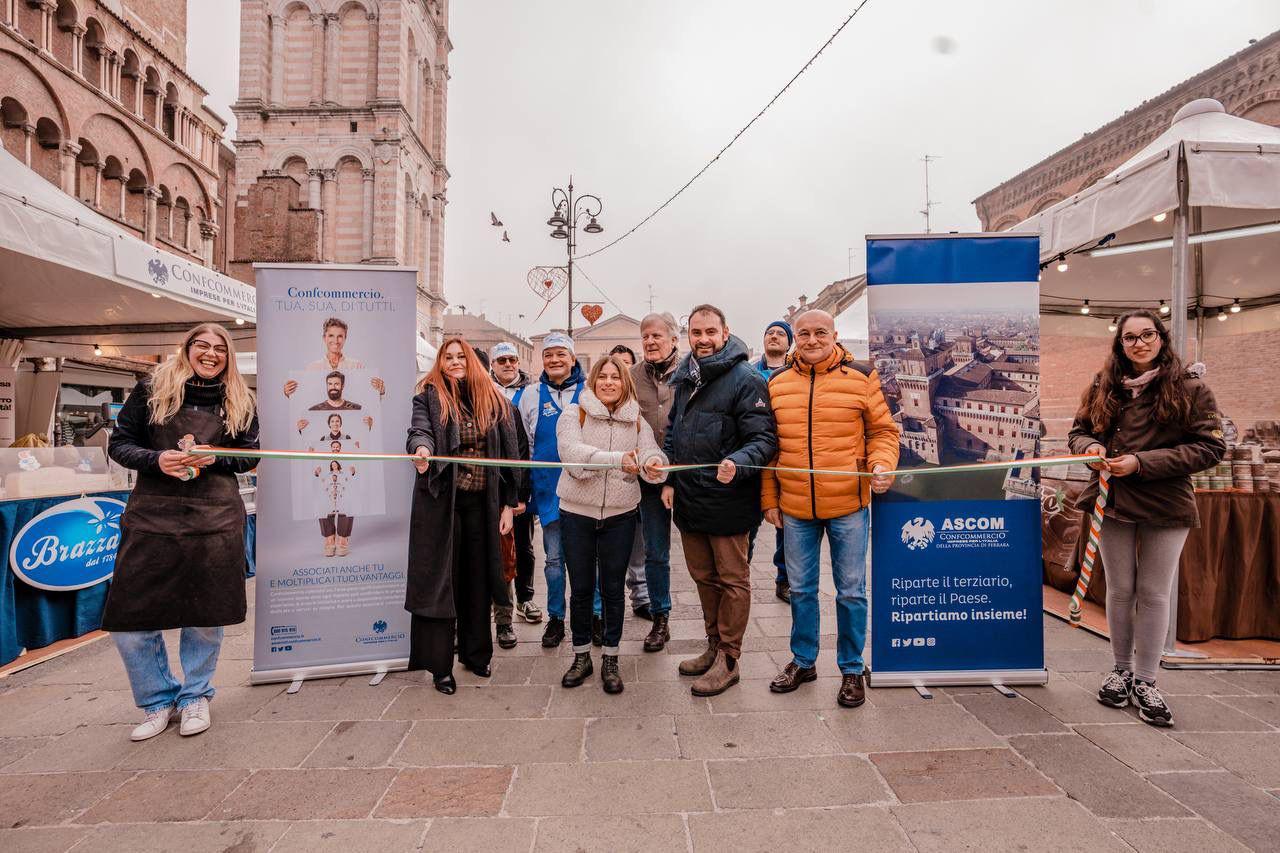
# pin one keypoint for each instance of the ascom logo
(917, 533)
(961, 522)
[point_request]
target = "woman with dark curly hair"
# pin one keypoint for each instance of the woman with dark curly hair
(1155, 423)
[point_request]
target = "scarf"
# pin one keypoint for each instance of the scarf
(659, 369)
(1142, 380)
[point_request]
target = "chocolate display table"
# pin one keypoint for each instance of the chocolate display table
(1229, 578)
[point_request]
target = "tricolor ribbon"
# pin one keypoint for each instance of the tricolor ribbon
(1091, 547)
(358, 456)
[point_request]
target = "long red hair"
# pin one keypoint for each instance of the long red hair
(487, 403)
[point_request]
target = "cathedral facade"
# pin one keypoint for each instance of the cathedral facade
(341, 138)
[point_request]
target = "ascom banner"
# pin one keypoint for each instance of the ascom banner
(335, 375)
(955, 336)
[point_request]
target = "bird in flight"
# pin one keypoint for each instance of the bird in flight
(505, 238)
(494, 220)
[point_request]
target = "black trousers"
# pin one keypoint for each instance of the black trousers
(597, 553)
(431, 640)
(524, 556)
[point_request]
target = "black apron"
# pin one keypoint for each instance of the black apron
(181, 560)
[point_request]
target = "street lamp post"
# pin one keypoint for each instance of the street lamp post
(568, 210)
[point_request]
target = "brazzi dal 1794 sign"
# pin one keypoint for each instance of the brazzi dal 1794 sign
(69, 546)
(955, 336)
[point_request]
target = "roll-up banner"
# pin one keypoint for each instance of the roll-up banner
(956, 566)
(335, 375)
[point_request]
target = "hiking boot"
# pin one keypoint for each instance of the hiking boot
(597, 630)
(852, 691)
(722, 675)
(529, 612)
(643, 612)
(659, 635)
(782, 589)
(609, 674)
(554, 634)
(506, 637)
(791, 677)
(1116, 688)
(580, 671)
(703, 662)
(1150, 704)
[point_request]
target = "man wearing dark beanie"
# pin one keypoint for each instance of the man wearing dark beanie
(778, 339)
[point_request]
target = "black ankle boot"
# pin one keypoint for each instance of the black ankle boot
(579, 672)
(659, 634)
(609, 674)
(445, 685)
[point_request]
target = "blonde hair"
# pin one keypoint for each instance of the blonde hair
(628, 384)
(169, 380)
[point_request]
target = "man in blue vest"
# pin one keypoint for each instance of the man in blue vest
(540, 407)
(504, 366)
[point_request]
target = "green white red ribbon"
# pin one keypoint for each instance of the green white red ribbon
(1091, 547)
(360, 456)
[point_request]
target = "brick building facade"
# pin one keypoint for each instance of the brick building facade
(94, 97)
(1241, 366)
(341, 137)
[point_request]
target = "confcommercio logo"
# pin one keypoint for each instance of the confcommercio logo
(956, 532)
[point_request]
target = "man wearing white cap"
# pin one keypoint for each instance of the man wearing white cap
(540, 407)
(504, 366)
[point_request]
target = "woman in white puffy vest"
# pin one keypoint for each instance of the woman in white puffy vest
(598, 507)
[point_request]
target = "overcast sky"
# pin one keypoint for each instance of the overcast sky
(633, 98)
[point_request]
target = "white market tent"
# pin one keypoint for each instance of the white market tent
(71, 278)
(1193, 220)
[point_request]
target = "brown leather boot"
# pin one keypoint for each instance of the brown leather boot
(852, 692)
(722, 675)
(703, 662)
(659, 634)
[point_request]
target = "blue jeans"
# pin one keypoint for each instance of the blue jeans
(847, 536)
(553, 569)
(596, 553)
(655, 526)
(147, 662)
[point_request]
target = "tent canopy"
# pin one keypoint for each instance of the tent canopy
(72, 276)
(1169, 225)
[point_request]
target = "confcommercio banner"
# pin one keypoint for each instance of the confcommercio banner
(335, 376)
(956, 566)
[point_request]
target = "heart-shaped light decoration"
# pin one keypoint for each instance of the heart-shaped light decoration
(592, 313)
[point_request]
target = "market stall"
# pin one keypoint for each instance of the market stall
(85, 303)
(1189, 227)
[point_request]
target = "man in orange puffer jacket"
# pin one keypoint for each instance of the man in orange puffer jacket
(831, 415)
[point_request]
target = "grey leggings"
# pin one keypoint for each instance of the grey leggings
(1141, 563)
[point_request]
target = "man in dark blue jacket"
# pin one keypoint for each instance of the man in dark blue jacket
(720, 416)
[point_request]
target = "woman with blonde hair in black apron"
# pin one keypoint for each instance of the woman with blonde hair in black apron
(181, 559)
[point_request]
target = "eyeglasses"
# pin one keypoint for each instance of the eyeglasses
(506, 359)
(1147, 336)
(203, 347)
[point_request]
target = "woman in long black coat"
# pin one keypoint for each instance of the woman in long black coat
(460, 513)
(181, 558)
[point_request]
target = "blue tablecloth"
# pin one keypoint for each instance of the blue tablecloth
(33, 618)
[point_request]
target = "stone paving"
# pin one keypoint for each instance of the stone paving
(518, 763)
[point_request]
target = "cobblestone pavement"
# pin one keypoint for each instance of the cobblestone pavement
(518, 763)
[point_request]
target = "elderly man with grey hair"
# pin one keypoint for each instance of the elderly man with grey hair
(659, 335)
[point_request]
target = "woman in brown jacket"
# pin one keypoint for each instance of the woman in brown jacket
(1155, 423)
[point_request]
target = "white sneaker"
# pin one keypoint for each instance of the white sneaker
(155, 723)
(195, 718)
(529, 612)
